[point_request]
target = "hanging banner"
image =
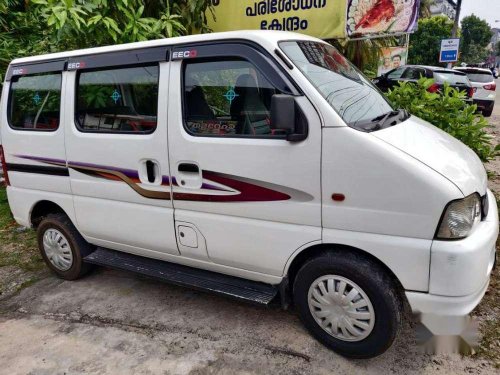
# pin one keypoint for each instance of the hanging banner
(392, 58)
(381, 17)
(321, 18)
(325, 19)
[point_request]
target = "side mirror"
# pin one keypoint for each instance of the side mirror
(286, 116)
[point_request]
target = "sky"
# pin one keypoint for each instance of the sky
(486, 9)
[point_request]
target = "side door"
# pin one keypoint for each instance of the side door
(116, 142)
(32, 131)
(240, 188)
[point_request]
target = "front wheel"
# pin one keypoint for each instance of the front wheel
(348, 303)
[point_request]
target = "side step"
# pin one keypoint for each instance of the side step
(246, 290)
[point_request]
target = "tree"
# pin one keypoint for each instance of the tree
(425, 8)
(364, 54)
(87, 23)
(425, 43)
(476, 36)
(33, 27)
(497, 50)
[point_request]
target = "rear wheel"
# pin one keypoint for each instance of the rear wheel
(488, 111)
(62, 247)
(348, 303)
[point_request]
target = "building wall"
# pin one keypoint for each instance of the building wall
(443, 8)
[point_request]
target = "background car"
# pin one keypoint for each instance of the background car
(484, 88)
(412, 73)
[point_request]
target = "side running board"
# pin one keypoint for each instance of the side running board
(246, 290)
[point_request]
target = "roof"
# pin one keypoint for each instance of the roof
(264, 37)
(473, 69)
(434, 68)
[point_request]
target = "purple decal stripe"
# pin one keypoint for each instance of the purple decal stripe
(244, 190)
(127, 172)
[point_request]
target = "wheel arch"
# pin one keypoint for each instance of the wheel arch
(43, 208)
(301, 256)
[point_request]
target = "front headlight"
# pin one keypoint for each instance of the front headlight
(459, 218)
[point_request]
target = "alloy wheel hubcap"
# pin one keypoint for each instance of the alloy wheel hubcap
(341, 308)
(57, 249)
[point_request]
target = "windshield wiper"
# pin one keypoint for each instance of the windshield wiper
(382, 119)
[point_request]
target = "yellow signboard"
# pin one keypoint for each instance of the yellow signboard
(320, 18)
(325, 19)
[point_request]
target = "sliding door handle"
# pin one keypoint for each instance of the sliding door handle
(188, 168)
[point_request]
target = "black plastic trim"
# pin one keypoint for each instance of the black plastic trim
(38, 169)
(34, 68)
(177, 274)
(121, 58)
(283, 58)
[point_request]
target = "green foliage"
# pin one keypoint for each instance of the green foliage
(426, 41)
(364, 54)
(476, 36)
(447, 111)
(34, 27)
(79, 23)
(497, 49)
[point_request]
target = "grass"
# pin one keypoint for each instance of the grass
(17, 245)
(489, 313)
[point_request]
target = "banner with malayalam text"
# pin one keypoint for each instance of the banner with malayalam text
(325, 19)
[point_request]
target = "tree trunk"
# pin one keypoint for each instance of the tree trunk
(455, 25)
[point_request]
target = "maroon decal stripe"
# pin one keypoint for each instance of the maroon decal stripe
(248, 192)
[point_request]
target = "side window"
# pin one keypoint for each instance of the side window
(35, 101)
(413, 73)
(396, 73)
(228, 98)
(118, 100)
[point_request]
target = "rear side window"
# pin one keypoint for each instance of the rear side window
(480, 77)
(35, 101)
(118, 100)
(228, 99)
(451, 77)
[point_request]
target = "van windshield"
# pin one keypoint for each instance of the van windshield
(351, 94)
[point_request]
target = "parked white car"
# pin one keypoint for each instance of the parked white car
(484, 85)
(250, 164)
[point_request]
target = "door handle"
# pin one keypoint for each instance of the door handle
(188, 168)
(189, 175)
(150, 172)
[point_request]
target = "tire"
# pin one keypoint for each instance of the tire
(488, 112)
(383, 303)
(60, 233)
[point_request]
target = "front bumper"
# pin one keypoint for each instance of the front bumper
(460, 270)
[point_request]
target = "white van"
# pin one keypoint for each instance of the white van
(252, 164)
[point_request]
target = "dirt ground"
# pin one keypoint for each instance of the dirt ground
(114, 322)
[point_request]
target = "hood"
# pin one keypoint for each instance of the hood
(440, 151)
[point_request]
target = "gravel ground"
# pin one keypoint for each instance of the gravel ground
(113, 322)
